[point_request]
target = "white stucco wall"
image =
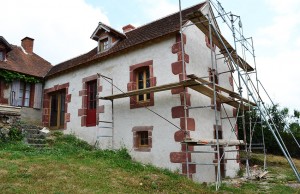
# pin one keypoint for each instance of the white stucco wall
(125, 118)
(200, 62)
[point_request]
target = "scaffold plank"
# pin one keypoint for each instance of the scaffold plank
(218, 87)
(222, 142)
(193, 84)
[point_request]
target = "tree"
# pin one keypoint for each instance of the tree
(284, 123)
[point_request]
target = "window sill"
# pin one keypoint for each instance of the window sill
(142, 104)
(143, 149)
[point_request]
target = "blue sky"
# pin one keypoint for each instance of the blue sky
(62, 30)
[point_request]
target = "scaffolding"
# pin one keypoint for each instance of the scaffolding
(246, 99)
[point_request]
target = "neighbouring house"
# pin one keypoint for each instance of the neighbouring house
(21, 80)
(149, 56)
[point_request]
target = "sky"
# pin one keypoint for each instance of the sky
(62, 30)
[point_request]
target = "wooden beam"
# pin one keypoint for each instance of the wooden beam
(218, 87)
(222, 142)
(193, 84)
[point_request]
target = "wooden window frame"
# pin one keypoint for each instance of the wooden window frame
(104, 44)
(145, 71)
(24, 84)
(133, 84)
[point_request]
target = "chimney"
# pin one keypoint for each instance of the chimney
(27, 44)
(128, 28)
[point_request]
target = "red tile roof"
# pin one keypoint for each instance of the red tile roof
(29, 64)
(143, 34)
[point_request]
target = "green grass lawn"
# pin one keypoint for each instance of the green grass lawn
(70, 165)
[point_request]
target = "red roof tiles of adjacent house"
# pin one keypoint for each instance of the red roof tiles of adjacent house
(143, 34)
(30, 64)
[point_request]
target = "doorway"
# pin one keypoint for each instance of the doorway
(91, 103)
(57, 109)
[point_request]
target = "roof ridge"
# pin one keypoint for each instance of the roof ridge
(75, 57)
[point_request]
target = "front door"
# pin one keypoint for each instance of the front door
(91, 103)
(57, 113)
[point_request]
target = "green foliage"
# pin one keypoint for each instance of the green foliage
(282, 120)
(10, 76)
(15, 134)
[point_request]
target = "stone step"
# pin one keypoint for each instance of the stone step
(38, 145)
(36, 136)
(32, 131)
(36, 141)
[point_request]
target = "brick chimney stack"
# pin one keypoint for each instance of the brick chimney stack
(128, 28)
(27, 44)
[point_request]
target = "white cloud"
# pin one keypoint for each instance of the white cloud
(61, 29)
(278, 44)
(283, 7)
(158, 9)
(280, 75)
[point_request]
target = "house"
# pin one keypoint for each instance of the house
(21, 77)
(101, 95)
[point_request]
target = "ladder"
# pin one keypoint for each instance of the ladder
(105, 130)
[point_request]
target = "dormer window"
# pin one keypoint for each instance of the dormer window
(106, 37)
(2, 56)
(104, 44)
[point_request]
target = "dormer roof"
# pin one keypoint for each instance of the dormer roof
(102, 28)
(4, 43)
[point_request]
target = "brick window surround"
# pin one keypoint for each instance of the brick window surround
(137, 131)
(207, 41)
(212, 73)
(221, 148)
(82, 112)
(132, 85)
(46, 103)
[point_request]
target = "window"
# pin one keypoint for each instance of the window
(24, 94)
(2, 56)
(221, 151)
(91, 103)
(142, 138)
(141, 77)
(211, 78)
(103, 44)
(143, 81)
(58, 109)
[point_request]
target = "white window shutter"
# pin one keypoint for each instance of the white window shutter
(14, 94)
(38, 91)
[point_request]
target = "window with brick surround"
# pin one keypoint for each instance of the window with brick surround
(143, 81)
(141, 77)
(221, 151)
(207, 41)
(213, 74)
(142, 138)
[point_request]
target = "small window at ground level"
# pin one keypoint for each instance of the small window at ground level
(142, 138)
